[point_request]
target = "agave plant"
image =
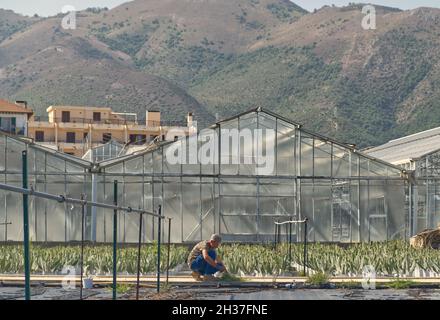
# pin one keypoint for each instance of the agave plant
(388, 258)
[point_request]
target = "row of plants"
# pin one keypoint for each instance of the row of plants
(395, 258)
(98, 260)
(389, 259)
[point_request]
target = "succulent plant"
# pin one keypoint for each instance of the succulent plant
(387, 258)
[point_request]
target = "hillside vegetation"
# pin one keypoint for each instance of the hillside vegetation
(218, 58)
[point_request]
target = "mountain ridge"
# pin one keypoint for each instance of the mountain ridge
(218, 58)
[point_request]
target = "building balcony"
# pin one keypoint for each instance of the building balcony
(107, 126)
(65, 142)
(72, 125)
(52, 141)
(51, 144)
(70, 145)
(40, 124)
(142, 127)
(104, 122)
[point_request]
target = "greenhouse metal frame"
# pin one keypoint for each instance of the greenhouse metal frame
(426, 192)
(346, 195)
(420, 155)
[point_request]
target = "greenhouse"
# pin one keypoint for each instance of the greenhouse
(420, 154)
(236, 178)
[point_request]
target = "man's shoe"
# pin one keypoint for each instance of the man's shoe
(209, 278)
(197, 276)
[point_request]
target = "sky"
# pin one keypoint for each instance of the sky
(52, 7)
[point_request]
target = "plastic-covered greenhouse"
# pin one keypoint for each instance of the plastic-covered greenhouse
(419, 153)
(347, 196)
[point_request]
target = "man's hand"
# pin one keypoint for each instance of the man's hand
(208, 259)
(222, 268)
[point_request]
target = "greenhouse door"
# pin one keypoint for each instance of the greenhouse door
(321, 226)
(341, 211)
(341, 222)
(434, 218)
(378, 220)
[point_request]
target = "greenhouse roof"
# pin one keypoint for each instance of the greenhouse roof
(138, 153)
(114, 161)
(406, 149)
(29, 144)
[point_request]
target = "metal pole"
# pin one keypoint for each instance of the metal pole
(290, 243)
(305, 246)
(279, 235)
(27, 272)
(139, 257)
(82, 249)
(115, 236)
(169, 249)
(94, 209)
(158, 247)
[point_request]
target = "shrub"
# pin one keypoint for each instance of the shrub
(400, 284)
(318, 279)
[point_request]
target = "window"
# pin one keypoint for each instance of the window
(106, 137)
(8, 124)
(65, 116)
(97, 116)
(13, 124)
(138, 139)
(70, 137)
(86, 135)
(39, 136)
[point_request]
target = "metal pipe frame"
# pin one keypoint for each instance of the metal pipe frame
(82, 249)
(139, 257)
(168, 250)
(27, 267)
(62, 199)
(158, 248)
(115, 238)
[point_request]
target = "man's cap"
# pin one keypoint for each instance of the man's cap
(216, 238)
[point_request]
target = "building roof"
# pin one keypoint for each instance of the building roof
(78, 108)
(408, 148)
(6, 106)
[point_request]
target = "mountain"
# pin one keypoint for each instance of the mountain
(218, 58)
(47, 65)
(324, 70)
(11, 23)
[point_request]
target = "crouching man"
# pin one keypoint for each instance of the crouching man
(203, 259)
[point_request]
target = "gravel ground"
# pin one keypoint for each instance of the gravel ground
(183, 293)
